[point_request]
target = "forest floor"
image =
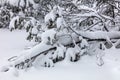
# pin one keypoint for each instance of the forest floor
(12, 43)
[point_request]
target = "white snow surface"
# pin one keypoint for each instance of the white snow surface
(12, 43)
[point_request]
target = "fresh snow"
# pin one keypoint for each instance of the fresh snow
(50, 16)
(100, 34)
(48, 35)
(12, 2)
(60, 23)
(14, 21)
(12, 43)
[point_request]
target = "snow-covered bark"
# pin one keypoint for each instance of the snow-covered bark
(60, 23)
(73, 54)
(48, 36)
(101, 35)
(59, 53)
(27, 57)
(14, 23)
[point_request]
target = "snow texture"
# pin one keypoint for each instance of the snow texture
(13, 22)
(85, 69)
(48, 36)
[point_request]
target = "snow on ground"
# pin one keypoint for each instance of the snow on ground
(12, 43)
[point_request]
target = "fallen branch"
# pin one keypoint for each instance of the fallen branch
(97, 34)
(30, 55)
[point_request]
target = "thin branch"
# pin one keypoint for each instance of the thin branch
(113, 6)
(92, 26)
